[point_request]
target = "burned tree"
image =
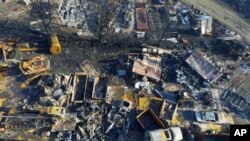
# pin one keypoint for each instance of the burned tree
(43, 16)
(102, 17)
(105, 16)
(98, 20)
(159, 25)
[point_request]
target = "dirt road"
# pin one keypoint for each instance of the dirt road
(225, 15)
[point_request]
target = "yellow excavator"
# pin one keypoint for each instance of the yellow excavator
(38, 65)
(35, 65)
(53, 42)
(51, 110)
(34, 68)
(6, 48)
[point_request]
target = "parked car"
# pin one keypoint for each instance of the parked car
(203, 116)
(170, 134)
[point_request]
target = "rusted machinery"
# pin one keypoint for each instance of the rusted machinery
(35, 65)
(33, 68)
(26, 47)
(23, 121)
(6, 51)
(51, 110)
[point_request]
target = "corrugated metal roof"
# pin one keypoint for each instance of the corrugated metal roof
(202, 66)
(149, 71)
(150, 66)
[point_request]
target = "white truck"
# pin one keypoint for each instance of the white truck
(170, 134)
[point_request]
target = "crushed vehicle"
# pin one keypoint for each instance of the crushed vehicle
(169, 134)
(202, 116)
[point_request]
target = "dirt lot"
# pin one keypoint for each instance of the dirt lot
(224, 14)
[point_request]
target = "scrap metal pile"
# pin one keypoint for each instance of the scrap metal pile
(87, 105)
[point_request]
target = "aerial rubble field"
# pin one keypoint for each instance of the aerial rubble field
(120, 70)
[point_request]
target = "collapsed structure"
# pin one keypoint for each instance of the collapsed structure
(148, 65)
(72, 14)
(203, 67)
(203, 24)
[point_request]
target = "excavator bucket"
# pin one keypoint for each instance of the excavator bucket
(55, 47)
